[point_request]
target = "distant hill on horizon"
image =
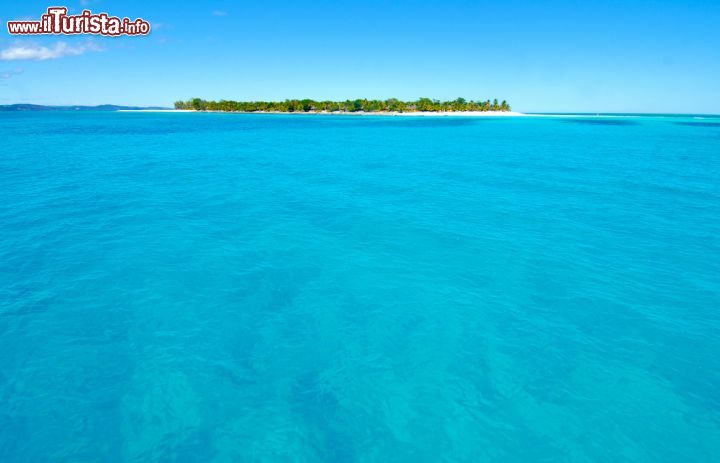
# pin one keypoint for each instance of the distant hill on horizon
(103, 107)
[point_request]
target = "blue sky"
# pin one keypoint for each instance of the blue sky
(610, 55)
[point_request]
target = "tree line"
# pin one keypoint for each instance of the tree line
(362, 105)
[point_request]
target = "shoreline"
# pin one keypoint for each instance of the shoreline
(430, 113)
(342, 113)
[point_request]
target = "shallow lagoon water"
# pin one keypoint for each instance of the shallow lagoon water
(225, 287)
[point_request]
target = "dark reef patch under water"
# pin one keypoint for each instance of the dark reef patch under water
(599, 122)
(699, 124)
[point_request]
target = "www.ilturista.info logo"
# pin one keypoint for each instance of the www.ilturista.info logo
(57, 21)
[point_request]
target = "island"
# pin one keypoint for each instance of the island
(360, 106)
(103, 107)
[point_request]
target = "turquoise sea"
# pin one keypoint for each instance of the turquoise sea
(271, 288)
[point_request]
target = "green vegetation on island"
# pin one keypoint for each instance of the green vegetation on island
(348, 106)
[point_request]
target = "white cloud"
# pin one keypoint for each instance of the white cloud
(4, 75)
(219, 13)
(37, 52)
